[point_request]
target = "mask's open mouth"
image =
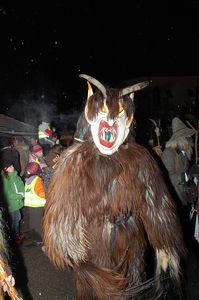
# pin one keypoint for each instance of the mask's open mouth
(107, 134)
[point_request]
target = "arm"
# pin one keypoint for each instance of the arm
(39, 188)
(169, 159)
(61, 213)
(11, 191)
(161, 222)
(19, 186)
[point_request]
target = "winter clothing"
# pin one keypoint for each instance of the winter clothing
(51, 160)
(175, 159)
(23, 149)
(34, 192)
(40, 160)
(33, 168)
(53, 155)
(6, 163)
(13, 188)
(11, 154)
(37, 148)
(44, 134)
(44, 130)
(176, 165)
(34, 203)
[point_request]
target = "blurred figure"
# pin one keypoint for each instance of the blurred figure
(176, 157)
(33, 140)
(34, 201)
(53, 156)
(54, 138)
(44, 134)
(51, 160)
(23, 148)
(37, 155)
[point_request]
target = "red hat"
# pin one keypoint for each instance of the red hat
(48, 131)
(37, 148)
(33, 168)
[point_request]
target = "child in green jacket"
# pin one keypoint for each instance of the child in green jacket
(13, 188)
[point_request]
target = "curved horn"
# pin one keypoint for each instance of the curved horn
(133, 88)
(95, 82)
(154, 122)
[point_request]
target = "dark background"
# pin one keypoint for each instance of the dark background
(45, 45)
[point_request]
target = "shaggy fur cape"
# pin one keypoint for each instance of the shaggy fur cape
(100, 214)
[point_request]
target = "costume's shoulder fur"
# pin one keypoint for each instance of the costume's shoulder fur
(83, 173)
(95, 201)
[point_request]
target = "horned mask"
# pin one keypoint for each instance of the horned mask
(109, 130)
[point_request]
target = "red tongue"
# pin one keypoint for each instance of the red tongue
(105, 126)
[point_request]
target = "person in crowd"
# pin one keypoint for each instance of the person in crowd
(44, 134)
(34, 201)
(51, 161)
(54, 138)
(8, 152)
(23, 148)
(37, 155)
(32, 141)
(177, 156)
(13, 188)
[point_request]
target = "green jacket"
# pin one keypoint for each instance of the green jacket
(13, 188)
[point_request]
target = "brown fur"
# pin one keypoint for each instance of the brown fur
(98, 213)
(96, 102)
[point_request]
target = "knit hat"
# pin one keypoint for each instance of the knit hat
(33, 168)
(6, 163)
(179, 129)
(37, 148)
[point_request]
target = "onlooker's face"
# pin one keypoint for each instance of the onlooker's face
(39, 154)
(33, 141)
(10, 169)
(54, 138)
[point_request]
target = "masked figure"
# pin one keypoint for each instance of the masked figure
(107, 201)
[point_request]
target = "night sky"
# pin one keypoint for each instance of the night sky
(44, 46)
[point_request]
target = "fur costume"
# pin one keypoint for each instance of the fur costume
(107, 202)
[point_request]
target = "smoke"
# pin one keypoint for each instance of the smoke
(34, 107)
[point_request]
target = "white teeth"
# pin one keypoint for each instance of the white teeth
(108, 134)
